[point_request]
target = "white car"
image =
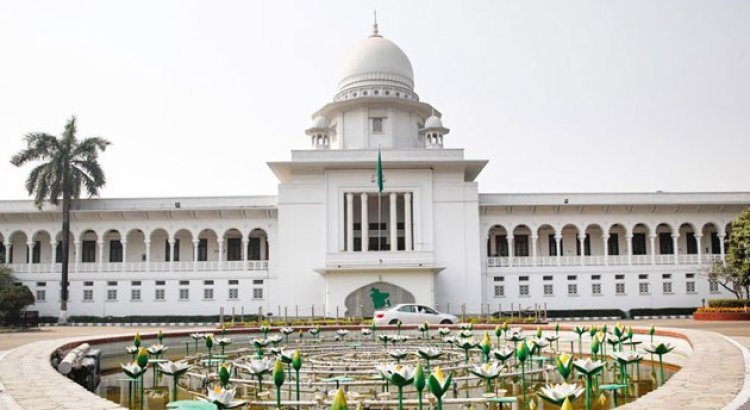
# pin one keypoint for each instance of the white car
(412, 314)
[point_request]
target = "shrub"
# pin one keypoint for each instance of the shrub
(661, 311)
(737, 303)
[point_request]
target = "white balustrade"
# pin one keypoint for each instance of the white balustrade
(598, 260)
(189, 266)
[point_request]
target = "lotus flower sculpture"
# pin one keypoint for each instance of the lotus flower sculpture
(365, 332)
(589, 369)
(286, 331)
(487, 371)
(142, 361)
(278, 380)
(467, 344)
(209, 347)
(157, 350)
(444, 331)
(385, 339)
(397, 354)
(485, 346)
(137, 340)
(419, 383)
(503, 354)
(196, 337)
(580, 330)
(176, 370)
(315, 331)
(287, 356)
(265, 329)
(624, 359)
(557, 394)
(515, 335)
(429, 353)
(425, 329)
(133, 371)
(465, 326)
(341, 333)
(522, 353)
(224, 398)
(498, 334)
(564, 364)
(257, 368)
(465, 333)
(296, 365)
(399, 376)
(260, 345)
(339, 401)
(660, 350)
(439, 384)
(275, 339)
(132, 350)
(223, 342)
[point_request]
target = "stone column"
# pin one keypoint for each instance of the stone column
(53, 245)
(407, 221)
(101, 254)
(629, 245)
(364, 222)
(8, 250)
(558, 248)
(124, 254)
(493, 245)
(171, 242)
(534, 251)
(652, 242)
(349, 222)
(78, 255)
(221, 252)
(30, 252)
(262, 247)
(721, 247)
(393, 223)
(582, 243)
(196, 243)
(699, 247)
(244, 253)
(675, 238)
(511, 251)
(148, 255)
(605, 241)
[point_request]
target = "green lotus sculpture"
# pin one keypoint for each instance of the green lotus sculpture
(557, 394)
(278, 380)
(564, 364)
(660, 350)
(419, 383)
(439, 384)
(488, 372)
(297, 365)
(589, 369)
(176, 370)
(399, 376)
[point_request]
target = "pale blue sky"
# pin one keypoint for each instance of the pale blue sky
(560, 96)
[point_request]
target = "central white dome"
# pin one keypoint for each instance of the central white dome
(376, 61)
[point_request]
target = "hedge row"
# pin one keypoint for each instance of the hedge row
(737, 303)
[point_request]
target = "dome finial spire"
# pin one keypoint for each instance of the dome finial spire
(375, 32)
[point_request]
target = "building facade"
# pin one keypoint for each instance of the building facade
(330, 240)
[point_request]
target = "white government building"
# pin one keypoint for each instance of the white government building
(438, 240)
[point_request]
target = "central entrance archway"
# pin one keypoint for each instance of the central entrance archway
(365, 300)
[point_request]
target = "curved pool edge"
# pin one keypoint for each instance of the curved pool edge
(712, 378)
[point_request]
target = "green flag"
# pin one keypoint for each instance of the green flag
(379, 173)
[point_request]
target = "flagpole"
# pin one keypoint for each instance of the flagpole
(379, 226)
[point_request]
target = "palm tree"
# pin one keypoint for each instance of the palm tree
(65, 165)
